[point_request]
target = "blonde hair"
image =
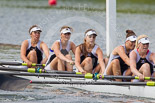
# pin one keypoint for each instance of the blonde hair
(140, 37)
(66, 27)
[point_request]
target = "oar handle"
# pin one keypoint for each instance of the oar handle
(150, 83)
(30, 70)
(18, 63)
(146, 78)
(98, 76)
(34, 70)
(33, 64)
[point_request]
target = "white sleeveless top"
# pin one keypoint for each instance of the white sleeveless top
(112, 57)
(147, 56)
(38, 45)
(67, 47)
(93, 51)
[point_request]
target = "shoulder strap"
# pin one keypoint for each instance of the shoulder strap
(148, 56)
(38, 45)
(94, 50)
(68, 46)
(29, 43)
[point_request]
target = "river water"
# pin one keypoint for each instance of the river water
(16, 16)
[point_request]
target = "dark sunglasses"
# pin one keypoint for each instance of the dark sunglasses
(37, 32)
(145, 43)
(92, 36)
(67, 33)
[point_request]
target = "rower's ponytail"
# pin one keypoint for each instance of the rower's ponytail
(83, 48)
(129, 33)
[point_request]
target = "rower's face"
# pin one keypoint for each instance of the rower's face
(35, 35)
(91, 39)
(65, 36)
(144, 47)
(131, 44)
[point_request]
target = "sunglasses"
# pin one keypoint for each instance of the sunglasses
(92, 36)
(145, 43)
(67, 33)
(37, 32)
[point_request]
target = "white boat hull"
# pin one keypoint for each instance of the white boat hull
(138, 91)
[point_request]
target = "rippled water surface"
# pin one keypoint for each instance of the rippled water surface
(16, 16)
(48, 94)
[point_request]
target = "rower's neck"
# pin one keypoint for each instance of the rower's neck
(127, 48)
(64, 42)
(34, 42)
(90, 46)
(141, 53)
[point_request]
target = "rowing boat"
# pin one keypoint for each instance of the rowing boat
(105, 86)
(88, 85)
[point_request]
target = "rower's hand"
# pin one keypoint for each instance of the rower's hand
(141, 77)
(71, 62)
(29, 64)
(101, 71)
(83, 72)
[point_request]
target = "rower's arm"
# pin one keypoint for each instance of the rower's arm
(77, 59)
(56, 48)
(73, 47)
(100, 59)
(122, 54)
(152, 57)
(46, 52)
(23, 51)
(24, 47)
(133, 68)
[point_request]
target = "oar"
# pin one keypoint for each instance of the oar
(36, 70)
(19, 64)
(42, 74)
(12, 83)
(31, 70)
(150, 83)
(122, 77)
(87, 76)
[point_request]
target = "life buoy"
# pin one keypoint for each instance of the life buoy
(52, 2)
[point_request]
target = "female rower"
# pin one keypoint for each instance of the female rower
(60, 59)
(88, 53)
(119, 62)
(32, 49)
(142, 59)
